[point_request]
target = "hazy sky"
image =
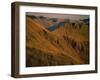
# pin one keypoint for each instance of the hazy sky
(63, 16)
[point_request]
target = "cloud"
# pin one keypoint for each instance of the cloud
(63, 16)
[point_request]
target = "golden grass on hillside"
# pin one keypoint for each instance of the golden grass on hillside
(63, 46)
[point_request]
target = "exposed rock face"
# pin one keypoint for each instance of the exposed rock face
(65, 45)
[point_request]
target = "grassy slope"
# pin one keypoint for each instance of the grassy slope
(44, 48)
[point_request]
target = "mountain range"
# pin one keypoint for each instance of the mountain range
(53, 42)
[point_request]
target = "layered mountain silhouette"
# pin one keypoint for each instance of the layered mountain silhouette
(53, 42)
